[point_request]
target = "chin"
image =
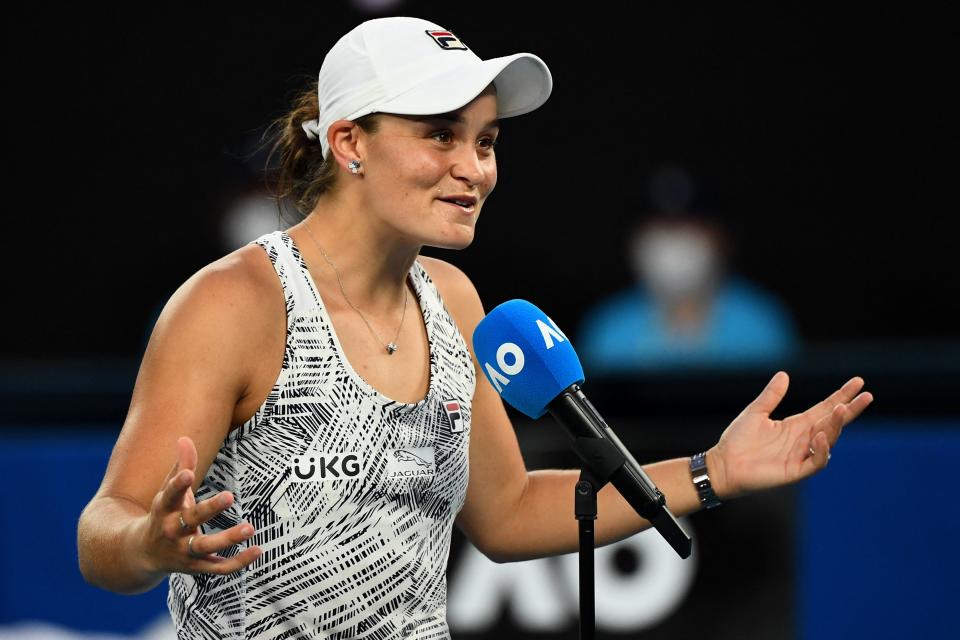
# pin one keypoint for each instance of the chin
(461, 239)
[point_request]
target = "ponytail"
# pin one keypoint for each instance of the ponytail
(303, 174)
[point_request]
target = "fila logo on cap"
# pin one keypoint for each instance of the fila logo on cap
(446, 40)
(452, 407)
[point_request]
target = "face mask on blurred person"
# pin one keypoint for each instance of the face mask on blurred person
(675, 263)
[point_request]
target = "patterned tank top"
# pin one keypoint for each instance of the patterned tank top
(352, 495)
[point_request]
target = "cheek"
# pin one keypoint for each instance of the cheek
(492, 177)
(408, 177)
(489, 180)
(420, 171)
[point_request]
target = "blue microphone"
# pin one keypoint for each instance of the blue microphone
(532, 365)
(525, 356)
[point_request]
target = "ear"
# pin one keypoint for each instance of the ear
(343, 136)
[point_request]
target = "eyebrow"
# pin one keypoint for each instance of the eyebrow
(451, 117)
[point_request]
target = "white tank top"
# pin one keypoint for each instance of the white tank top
(352, 495)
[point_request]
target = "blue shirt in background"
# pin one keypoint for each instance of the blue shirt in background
(746, 326)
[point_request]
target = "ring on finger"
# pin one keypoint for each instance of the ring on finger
(190, 551)
(183, 525)
(812, 452)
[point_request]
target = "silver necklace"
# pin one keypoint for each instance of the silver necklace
(390, 346)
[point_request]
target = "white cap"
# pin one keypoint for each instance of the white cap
(411, 66)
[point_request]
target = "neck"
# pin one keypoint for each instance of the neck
(372, 261)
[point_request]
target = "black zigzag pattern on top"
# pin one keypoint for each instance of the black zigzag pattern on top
(344, 556)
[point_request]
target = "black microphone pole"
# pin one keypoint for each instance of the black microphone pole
(605, 459)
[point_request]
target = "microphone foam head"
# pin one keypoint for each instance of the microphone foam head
(525, 356)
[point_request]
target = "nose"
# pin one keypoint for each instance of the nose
(470, 166)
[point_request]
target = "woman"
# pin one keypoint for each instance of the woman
(315, 390)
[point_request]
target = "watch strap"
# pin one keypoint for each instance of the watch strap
(701, 480)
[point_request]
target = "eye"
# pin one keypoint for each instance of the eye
(489, 143)
(445, 136)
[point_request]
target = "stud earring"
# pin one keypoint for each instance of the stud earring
(354, 166)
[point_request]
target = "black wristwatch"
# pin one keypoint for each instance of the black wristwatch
(698, 471)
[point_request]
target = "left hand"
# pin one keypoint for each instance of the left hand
(756, 452)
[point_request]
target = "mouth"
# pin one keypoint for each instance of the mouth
(466, 204)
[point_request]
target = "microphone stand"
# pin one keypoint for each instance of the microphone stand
(600, 461)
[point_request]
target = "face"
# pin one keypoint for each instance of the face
(675, 262)
(414, 166)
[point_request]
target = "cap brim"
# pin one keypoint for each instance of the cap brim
(523, 83)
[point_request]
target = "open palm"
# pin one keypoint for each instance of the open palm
(757, 452)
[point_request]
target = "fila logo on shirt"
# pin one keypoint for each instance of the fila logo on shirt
(326, 466)
(446, 39)
(452, 407)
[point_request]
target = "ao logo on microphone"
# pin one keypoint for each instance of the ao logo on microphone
(510, 357)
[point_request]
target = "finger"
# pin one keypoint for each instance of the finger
(206, 509)
(213, 542)
(842, 415)
(797, 466)
(772, 394)
(176, 495)
(840, 396)
(188, 499)
(186, 453)
(186, 457)
(856, 406)
(172, 495)
(822, 448)
(832, 423)
(820, 456)
(815, 453)
(185, 524)
(222, 566)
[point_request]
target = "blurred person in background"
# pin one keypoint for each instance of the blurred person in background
(686, 308)
(290, 462)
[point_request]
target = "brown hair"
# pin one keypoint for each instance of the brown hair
(303, 174)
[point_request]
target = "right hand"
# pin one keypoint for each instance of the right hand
(165, 541)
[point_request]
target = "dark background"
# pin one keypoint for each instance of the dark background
(823, 137)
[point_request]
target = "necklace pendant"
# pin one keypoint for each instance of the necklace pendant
(391, 348)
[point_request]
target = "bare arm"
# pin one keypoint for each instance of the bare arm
(194, 371)
(512, 514)
(541, 521)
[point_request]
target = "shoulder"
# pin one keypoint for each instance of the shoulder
(743, 294)
(625, 298)
(233, 283)
(627, 303)
(457, 291)
(208, 345)
(224, 311)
